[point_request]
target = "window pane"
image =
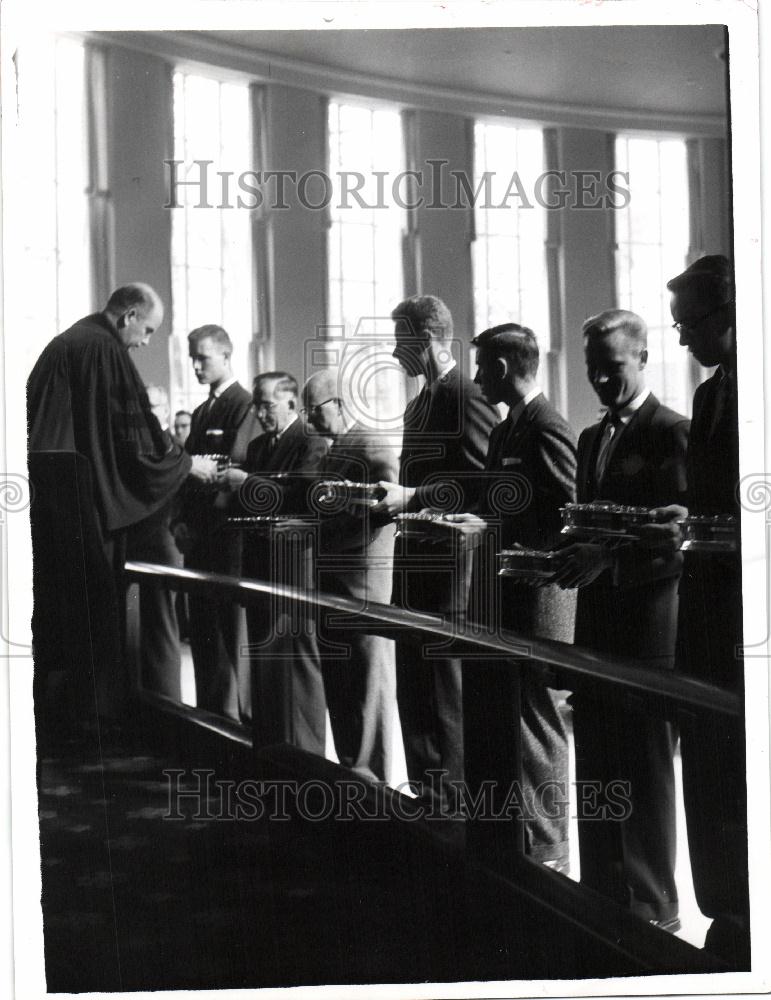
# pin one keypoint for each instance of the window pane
(365, 259)
(211, 247)
(651, 246)
(509, 253)
(49, 206)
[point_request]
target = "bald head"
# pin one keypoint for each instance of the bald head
(321, 399)
(136, 311)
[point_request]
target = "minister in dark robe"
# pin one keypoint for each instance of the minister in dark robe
(99, 463)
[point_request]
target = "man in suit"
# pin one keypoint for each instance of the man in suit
(709, 631)
(627, 605)
(182, 421)
(530, 473)
(216, 628)
(280, 465)
(446, 430)
(354, 559)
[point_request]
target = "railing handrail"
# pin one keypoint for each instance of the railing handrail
(634, 676)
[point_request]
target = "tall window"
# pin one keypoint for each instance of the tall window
(509, 253)
(49, 209)
(365, 259)
(651, 247)
(211, 249)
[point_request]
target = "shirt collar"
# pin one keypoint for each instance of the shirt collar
(518, 409)
(279, 434)
(222, 387)
(445, 373)
(626, 413)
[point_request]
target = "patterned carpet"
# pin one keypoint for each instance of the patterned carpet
(135, 900)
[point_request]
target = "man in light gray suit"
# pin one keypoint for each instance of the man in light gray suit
(354, 559)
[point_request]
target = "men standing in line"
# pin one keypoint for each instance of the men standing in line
(709, 633)
(354, 559)
(530, 473)
(627, 606)
(216, 632)
(446, 431)
(288, 691)
(99, 463)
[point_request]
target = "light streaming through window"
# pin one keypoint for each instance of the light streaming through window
(651, 247)
(50, 209)
(365, 262)
(211, 250)
(509, 253)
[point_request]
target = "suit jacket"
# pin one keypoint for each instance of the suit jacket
(361, 547)
(226, 413)
(197, 507)
(531, 467)
(446, 431)
(298, 453)
(632, 609)
(710, 626)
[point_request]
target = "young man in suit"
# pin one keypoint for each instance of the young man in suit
(288, 692)
(355, 560)
(627, 605)
(221, 673)
(709, 632)
(529, 475)
(446, 430)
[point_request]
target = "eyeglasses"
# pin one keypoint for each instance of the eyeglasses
(311, 411)
(690, 324)
(263, 407)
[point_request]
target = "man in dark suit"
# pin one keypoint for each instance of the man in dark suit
(530, 474)
(446, 430)
(288, 692)
(627, 605)
(354, 559)
(221, 673)
(709, 631)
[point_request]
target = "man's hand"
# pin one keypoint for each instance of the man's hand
(204, 469)
(473, 520)
(395, 501)
(231, 479)
(664, 533)
(581, 564)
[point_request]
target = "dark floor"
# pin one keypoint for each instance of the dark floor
(135, 900)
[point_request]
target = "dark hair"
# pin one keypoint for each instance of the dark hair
(183, 413)
(617, 321)
(711, 277)
(211, 332)
(286, 384)
(425, 315)
(515, 343)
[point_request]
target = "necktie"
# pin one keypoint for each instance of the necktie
(612, 427)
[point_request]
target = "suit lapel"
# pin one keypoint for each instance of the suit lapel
(629, 440)
(587, 486)
(286, 445)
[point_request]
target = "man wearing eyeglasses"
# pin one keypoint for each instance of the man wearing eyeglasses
(354, 560)
(287, 689)
(709, 635)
